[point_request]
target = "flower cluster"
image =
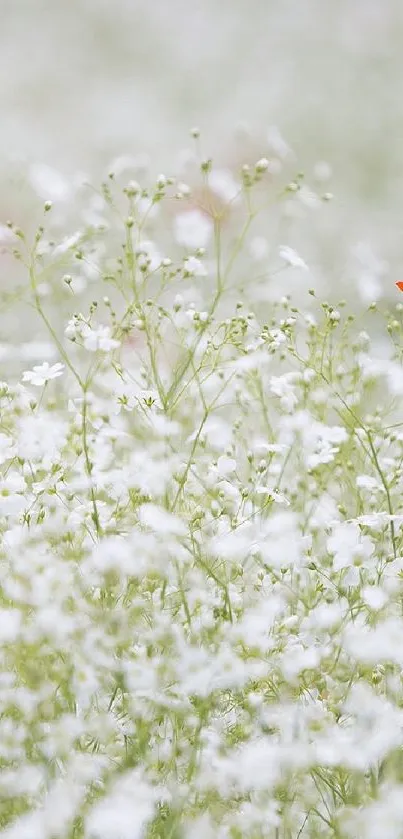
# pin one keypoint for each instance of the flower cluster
(201, 536)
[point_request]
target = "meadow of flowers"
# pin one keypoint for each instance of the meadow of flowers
(201, 566)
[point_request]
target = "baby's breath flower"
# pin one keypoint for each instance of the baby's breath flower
(262, 165)
(194, 267)
(183, 190)
(284, 388)
(7, 235)
(68, 243)
(148, 255)
(278, 497)
(201, 568)
(43, 373)
(99, 338)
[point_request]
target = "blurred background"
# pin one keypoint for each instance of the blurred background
(82, 81)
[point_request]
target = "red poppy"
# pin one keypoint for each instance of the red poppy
(400, 285)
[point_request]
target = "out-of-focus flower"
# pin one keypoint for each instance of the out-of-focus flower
(224, 185)
(98, 339)
(193, 229)
(292, 258)
(194, 267)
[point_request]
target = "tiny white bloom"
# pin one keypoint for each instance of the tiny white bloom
(278, 497)
(67, 243)
(194, 267)
(6, 235)
(349, 548)
(226, 465)
(73, 328)
(184, 189)
(99, 339)
(374, 597)
(262, 165)
(124, 812)
(284, 387)
(147, 253)
(159, 520)
(368, 482)
(43, 373)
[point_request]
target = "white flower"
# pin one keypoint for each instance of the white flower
(72, 329)
(375, 597)
(278, 497)
(183, 190)
(226, 465)
(195, 267)
(12, 505)
(67, 243)
(321, 442)
(41, 437)
(147, 208)
(292, 258)
(324, 452)
(160, 521)
(262, 165)
(277, 338)
(368, 482)
(193, 229)
(10, 625)
(148, 255)
(6, 235)
(284, 387)
(124, 811)
(350, 549)
(98, 339)
(43, 373)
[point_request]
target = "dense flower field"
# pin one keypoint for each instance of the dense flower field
(201, 566)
